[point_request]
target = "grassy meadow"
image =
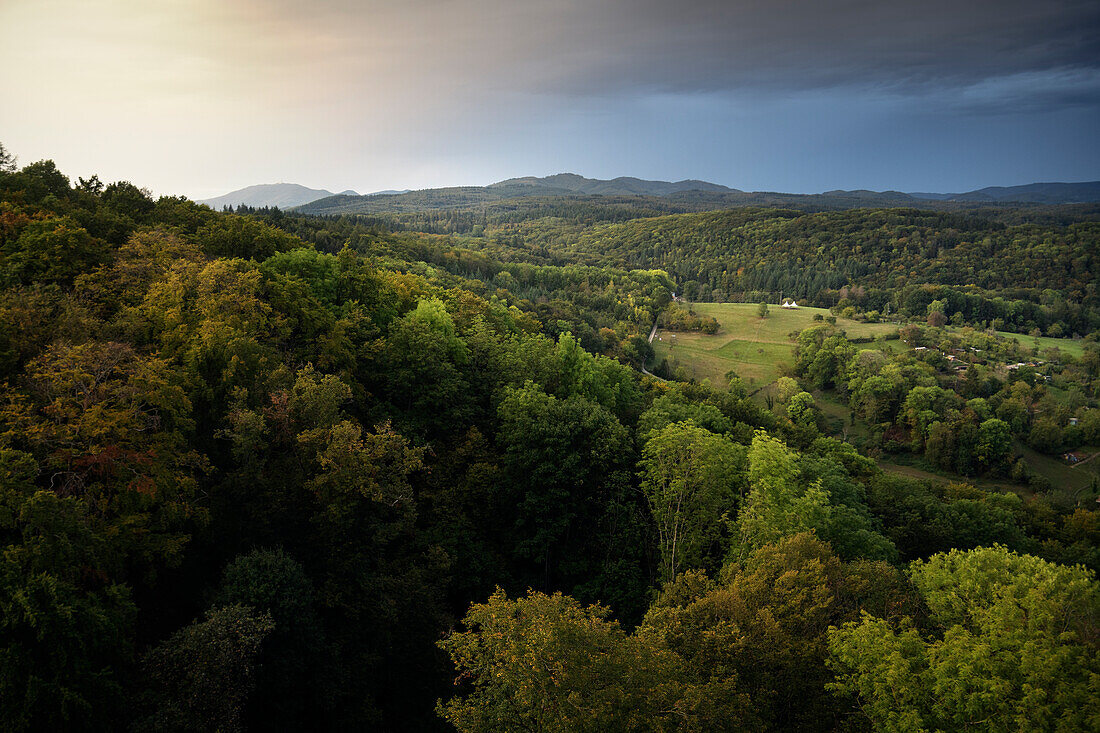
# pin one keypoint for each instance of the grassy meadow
(1073, 347)
(751, 346)
(757, 348)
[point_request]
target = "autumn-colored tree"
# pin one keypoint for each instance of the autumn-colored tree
(108, 427)
(763, 622)
(547, 663)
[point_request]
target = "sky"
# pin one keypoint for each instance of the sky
(201, 97)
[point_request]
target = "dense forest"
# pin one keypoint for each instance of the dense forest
(275, 472)
(748, 254)
(1023, 270)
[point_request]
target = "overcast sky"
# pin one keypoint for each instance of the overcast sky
(201, 97)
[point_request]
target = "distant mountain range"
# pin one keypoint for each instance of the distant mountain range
(283, 195)
(691, 194)
(622, 186)
(1032, 193)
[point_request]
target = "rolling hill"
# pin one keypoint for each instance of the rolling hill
(686, 195)
(562, 184)
(1032, 193)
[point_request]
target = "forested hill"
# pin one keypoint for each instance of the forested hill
(753, 254)
(692, 195)
(751, 250)
(1036, 193)
(262, 472)
(1013, 269)
(623, 186)
(514, 191)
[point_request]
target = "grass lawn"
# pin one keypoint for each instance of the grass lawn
(1074, 347)
(1067, 484)
(753, 347)
(1064, 479)
(982, 483)
(838, 416)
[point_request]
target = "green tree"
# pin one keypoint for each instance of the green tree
(65, 626)
(994, 444)
(51, 251)
(691, 478)
(762, 310)
(128, 200)
(288, 683)
(786, 388)
(925, 405)
(674, 407)
(423, 371)
(778, 504)
(1045, 436)
(42, 183)
(568, 482)
(238, 236)
(939, 448)
(1090, 426)
(1015, 413)
(7, 161)
(802, 410)
(1012, 648)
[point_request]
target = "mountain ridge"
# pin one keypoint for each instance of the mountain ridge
(1032, 193)
(623, 185)
(699, 192)
(283, 195)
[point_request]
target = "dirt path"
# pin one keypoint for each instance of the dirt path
(1081, 463)
(652, 333)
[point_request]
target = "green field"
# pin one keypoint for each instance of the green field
(1064, 479)
(1068, 484)
(753, 347)
(982, 483)
(1073, 347)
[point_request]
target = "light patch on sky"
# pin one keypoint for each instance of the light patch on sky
(201, 96)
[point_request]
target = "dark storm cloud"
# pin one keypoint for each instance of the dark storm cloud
(204, 96)
(708, 45)
(600, 47)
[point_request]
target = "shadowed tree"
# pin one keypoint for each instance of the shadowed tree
(200, 678)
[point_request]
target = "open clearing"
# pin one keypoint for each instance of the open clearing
(753, 347)
(1070, 346)
(1073, 347)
